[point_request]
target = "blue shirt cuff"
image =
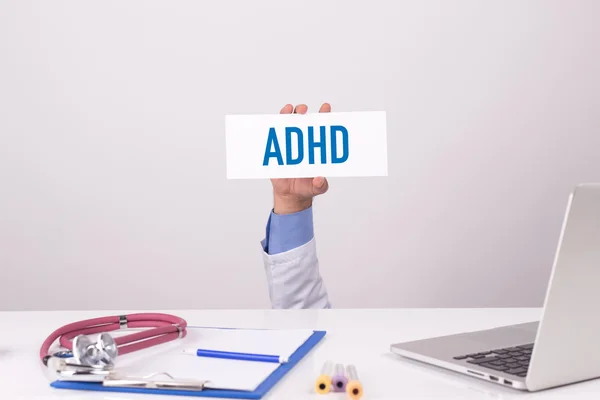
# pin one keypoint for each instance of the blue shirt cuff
(288, 231)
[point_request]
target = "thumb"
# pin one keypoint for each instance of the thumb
(320, 185)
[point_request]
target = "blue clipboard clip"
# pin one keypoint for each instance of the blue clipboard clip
(147, 382)
(109, 378)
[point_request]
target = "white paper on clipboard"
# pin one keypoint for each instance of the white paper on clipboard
(221, 373)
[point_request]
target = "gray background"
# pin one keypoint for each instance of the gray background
(112, 158)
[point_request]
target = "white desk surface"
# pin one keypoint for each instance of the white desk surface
(361, 337)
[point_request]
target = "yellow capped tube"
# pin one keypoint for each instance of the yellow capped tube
(323, 383)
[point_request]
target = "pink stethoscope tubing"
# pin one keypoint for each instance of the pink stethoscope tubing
(164, 328)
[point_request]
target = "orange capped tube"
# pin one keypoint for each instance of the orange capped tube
(354, 388)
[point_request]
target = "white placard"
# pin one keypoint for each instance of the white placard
(349, 144)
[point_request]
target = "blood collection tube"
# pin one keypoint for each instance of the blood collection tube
(339, 379)
(323, 383)
(353, 387)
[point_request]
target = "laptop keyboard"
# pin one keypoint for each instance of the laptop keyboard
(511, 360)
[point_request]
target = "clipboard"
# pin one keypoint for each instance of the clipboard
(258, 393)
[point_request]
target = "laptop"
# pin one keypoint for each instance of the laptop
(562, 347)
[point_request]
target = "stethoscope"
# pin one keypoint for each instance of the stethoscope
(93, 361)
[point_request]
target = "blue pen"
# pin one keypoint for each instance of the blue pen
(236, 356)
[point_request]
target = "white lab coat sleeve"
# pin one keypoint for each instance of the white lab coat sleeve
(294, 278)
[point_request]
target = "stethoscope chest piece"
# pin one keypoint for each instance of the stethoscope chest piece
(91, 361)
(97, 354)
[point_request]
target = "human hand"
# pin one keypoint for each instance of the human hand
(291, 195)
